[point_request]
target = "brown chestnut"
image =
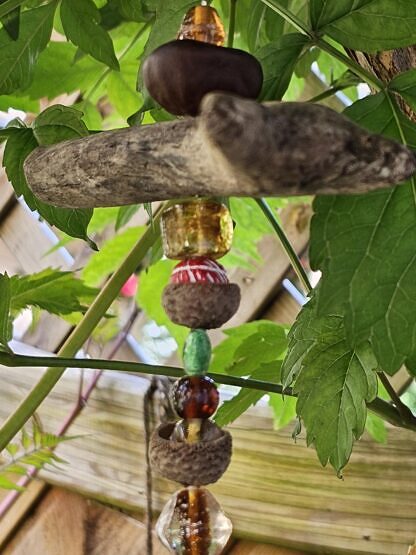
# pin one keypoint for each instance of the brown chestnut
(180, 73)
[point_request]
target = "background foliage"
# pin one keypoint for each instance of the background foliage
(361, 317)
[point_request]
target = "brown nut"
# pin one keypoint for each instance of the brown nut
(180, 73)
(196, 464)
(201, 305)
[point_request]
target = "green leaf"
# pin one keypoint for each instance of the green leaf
(59, 123)
(11, 22)
(149, 298)
(103, 263)
(125, 213)
(73, 222)
(56, 73)
(364, 245)
(376, 427)
(121, 89)
(18, 58)
(284, 410)
(80, 20)
(52, 290)
(5, 483)
(405, 85)
(249, 346)
(278, 60)
(5, 322)
(133, 10)
(333, 387)
(233, 408)
(366, 25)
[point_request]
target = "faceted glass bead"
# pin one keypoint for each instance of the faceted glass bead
(193, 523)
(195, 397)
(202, 23)
(196, 228)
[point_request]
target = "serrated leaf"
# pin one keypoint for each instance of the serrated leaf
(59, 123)
(5, 321)
(19, 145)
(278, 60)
(231, 409)
(113, 252)
(80, 20)
(18, 58)
(364, 245)
(121, 89)
(149, 298)
(249, 346)
(333, 387)
(366, 25)
(133, 10)
(405, 85)
(52, 290)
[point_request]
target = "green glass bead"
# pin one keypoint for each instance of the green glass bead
(197, 353)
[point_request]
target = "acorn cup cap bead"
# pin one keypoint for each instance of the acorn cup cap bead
(201, 305)
(196, 464)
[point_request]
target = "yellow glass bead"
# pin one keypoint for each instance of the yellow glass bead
(202, 23)
(196, 228)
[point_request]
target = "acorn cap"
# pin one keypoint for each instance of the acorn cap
(196, 464)
(201, 305)
(180, 73)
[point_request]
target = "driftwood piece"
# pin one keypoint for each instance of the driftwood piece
(236, 147)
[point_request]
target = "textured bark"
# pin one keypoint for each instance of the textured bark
(236, 147)
(386, 65)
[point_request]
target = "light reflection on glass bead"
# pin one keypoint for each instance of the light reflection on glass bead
(193, 523)
(196, 228)
(195, 397)
(203, 23)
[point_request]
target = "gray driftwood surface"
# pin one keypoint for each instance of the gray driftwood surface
(235, 147)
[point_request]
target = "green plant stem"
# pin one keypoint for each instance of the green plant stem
(397, 402)
(300, 26)
(231, 28)
(9, 6)
(80, 334)
(293, 257)
(378, 406)
(290, 17)
(108, 70)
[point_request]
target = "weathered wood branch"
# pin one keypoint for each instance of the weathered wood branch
(236, 147)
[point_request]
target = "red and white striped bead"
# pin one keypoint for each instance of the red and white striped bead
(199, 270)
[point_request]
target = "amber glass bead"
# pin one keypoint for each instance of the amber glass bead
(195, 397)
(196, 228)
(202, 23)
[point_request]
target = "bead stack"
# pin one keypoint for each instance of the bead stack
(194, 451)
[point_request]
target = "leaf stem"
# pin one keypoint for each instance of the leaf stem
(397, 402)
(300, 26)
(383, 409)
(231, 28)
(290, 17)
(293, 257)
(108, 70)
(79, 335)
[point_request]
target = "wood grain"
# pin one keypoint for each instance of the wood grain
(236, 147)
(275, 491)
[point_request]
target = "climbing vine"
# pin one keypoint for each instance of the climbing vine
(359, 324)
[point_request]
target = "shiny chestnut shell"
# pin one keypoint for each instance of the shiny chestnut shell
(180, 73)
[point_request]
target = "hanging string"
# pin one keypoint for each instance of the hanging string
(162, 386)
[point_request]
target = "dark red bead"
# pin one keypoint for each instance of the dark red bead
(195, 397)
